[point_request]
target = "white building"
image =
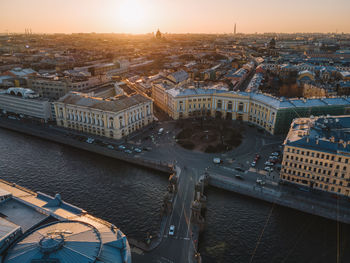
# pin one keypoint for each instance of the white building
(26, 102)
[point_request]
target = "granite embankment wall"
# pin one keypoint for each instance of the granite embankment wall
(310, 206)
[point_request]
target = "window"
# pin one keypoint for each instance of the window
(229, 105)
(219, 105)
(240, 106)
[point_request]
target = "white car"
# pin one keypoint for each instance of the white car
(275, 154)
(137, 150)
(171, 230)
(269, 169)
(110, 147)
(253, 164)
(259, 181)
(268, 163)
(90, 140)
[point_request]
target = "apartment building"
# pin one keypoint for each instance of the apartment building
(317, 154)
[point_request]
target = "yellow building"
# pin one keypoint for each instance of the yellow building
(317, 154)
(113, 118)
(194, 102)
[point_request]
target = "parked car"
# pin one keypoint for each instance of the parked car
(110, 147)
(275, 154)
(148, 149)
(171, 230)
(238, 176)
(268, 163)
(253, 164)
(217, 160)
(257, 156)
(128, 151)
(259, 181)
(137, 150)
(269, 169)
(90, 140)
(121, 147)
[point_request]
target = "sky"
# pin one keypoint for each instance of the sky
(175, 16)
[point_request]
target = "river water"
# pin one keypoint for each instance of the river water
(131, 197)
(126, 196)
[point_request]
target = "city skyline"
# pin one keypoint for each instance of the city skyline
(141, 16)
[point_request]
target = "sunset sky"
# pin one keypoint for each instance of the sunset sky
(175, 16)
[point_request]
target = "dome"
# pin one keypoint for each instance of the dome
(61, 242)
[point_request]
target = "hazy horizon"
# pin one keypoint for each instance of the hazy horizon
(175, 17)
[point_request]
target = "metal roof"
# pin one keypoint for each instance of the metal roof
(61, 241)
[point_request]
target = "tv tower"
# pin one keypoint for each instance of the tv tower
(234, 32)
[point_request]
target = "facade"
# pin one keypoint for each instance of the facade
(317, 154)
(270, 113)
(312, 90)
(26, 102)
(113, 118)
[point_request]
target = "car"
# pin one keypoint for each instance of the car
(259, 181)
(257, 156)
(121, 147)
(160, 131)
(239, 169)
(137, 150)
(90, 140)
(275, 154)
(273, 157)
(268, 169)
(217, 160)
(253, 164)
(268, 163)
(128, 151)
(238, 176)
(171, 230)
(110, 147)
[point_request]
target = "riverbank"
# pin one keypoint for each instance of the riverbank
(58, 136)
(337, 210)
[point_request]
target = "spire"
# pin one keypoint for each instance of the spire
(158, 34)
(234, 32)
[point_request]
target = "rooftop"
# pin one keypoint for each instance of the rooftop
(327, 134)
(119, 104)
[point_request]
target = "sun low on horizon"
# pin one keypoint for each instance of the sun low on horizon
(132, 15)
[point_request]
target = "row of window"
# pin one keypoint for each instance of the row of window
(316, 162)
(317, 155)
(318, 176)
(319, 172)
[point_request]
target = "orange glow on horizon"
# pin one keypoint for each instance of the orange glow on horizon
(180, 16)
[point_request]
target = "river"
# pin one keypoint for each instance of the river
(239, 229)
